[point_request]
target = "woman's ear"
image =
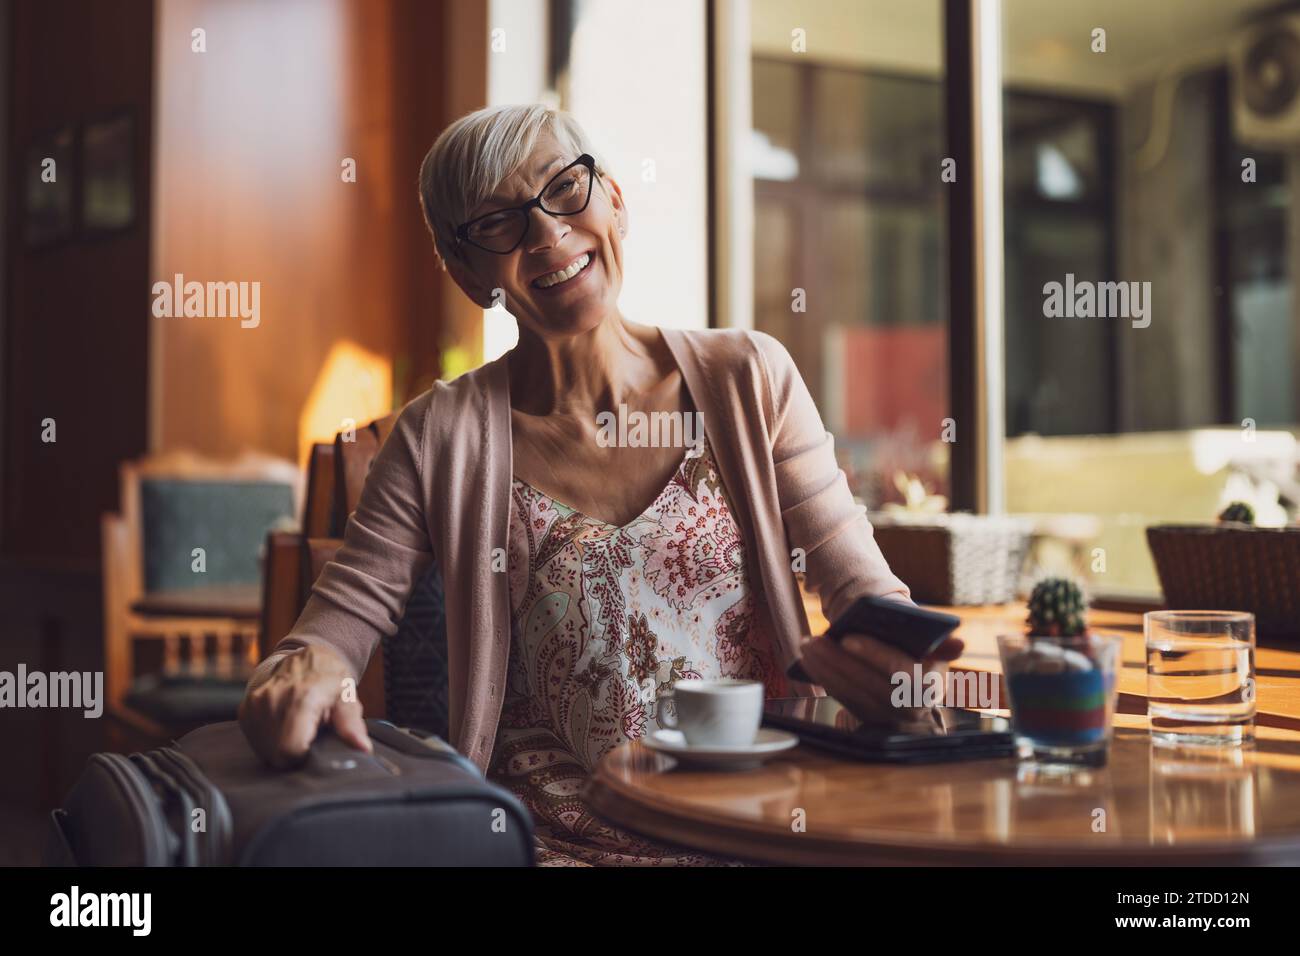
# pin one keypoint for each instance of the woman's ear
(615, 194)
(477, 290)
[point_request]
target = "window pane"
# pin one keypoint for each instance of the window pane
(872, 129)
(1149, 303)
(776, 120)
(849, 226)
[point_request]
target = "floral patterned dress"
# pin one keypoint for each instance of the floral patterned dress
(604, 619)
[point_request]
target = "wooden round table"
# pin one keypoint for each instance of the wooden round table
(1147, 807)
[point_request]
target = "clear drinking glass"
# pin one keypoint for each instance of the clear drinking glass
(1063, 692)
(1200, 678)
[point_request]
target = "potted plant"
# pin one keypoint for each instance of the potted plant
(1061, 678)
(1238, 512)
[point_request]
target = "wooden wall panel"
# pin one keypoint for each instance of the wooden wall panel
(76, 345)
(251, 135)
(245, 141)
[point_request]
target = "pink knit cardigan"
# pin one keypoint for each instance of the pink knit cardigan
(440, 489)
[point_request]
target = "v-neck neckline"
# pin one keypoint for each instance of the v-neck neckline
(687, 456)
(687, 370)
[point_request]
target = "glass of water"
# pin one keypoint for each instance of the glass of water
(1200, 678)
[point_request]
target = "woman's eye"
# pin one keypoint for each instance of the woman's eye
(496, 224)
(562, 188)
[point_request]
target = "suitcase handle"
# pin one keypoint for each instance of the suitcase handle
(412, 745)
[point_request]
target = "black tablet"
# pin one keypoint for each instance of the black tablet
(825, 723)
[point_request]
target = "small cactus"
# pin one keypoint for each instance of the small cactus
(1239, 512)
(1057, 609)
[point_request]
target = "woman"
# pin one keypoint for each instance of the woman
(571, 602)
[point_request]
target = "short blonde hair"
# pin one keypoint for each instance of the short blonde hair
(475, 154)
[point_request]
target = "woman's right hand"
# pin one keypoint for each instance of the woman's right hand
(282, 715)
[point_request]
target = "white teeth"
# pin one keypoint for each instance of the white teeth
(555, 278)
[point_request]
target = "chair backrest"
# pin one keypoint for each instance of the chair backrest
(282, 589)
(318, 515)
(336, 473)
(227, 519)
(353, 455)
(178, 501)
(406, 679)
(286, 573)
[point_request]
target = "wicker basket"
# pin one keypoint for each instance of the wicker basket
(1232, 568)
(955, 559)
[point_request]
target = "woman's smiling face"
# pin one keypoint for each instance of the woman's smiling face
(565, 276)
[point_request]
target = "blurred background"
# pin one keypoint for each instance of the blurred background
(782, 164)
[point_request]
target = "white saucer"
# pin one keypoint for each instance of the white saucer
(767, 743)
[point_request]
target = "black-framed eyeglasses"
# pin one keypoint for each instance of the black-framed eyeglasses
(566, 194)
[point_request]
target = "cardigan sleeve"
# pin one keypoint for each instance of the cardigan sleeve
(844, 562)
(361, 595)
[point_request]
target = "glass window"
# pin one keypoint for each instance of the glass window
(1143, 186)
(1058, 221)
(850, 223)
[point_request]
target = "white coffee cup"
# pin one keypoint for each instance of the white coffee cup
(724, 712)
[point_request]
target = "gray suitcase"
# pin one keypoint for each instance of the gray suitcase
(207, 800)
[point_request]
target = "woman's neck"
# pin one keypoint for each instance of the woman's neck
(582, 374)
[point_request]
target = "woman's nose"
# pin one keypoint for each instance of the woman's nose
(545, 230)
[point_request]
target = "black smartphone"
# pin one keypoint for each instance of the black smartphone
(825, 723)
(914, 630)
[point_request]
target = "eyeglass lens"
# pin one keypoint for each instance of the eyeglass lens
(565, 195)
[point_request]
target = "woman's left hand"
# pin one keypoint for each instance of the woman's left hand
(859, 673)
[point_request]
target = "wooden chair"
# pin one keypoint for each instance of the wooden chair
(335, 476)
(205, 629)
(286, 580)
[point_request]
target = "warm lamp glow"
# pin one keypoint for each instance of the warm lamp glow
(353, 384)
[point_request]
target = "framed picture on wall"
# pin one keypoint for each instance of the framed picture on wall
(108, 184)
(49, 175)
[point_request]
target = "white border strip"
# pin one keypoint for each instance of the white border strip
(733, 228)
(986, 111)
